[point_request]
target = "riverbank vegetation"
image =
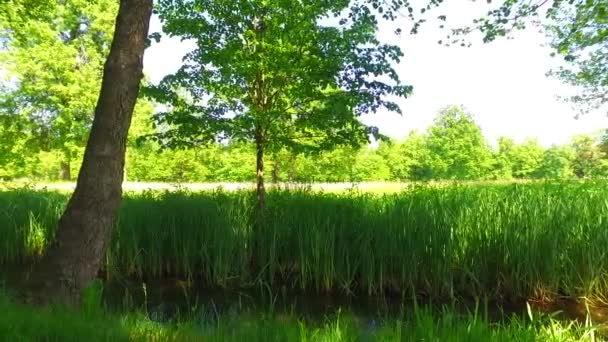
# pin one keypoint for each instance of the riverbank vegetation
(506, 241)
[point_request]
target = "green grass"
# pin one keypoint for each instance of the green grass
(24, 323)
(498, 241)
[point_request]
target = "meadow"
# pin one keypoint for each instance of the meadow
(505, 242)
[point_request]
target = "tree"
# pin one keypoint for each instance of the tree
(588, 156)
(236, 162)
(13, 142)
(503, 159)
(392, 153)
(307, 169)
(85, 227)
(283, 166)
(53, 98)
(556, 163)
(416, 156)
(526, 158)
(272, 72)
(336, 165)
(580, 34)
(457, 147)
(370, 166)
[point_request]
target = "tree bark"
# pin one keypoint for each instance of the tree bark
(85, 228)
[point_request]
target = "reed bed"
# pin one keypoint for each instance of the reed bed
(504, 241)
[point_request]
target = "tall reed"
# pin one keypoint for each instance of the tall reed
(500, 241)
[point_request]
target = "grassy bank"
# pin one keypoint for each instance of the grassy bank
(24, 323)
(498, 241)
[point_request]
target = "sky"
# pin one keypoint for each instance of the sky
(503, 83)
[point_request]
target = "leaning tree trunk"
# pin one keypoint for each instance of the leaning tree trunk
(84, 230)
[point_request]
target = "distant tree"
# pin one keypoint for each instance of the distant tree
(272, 73)
(526, 158)
(407, 159)
(389, 151)
(338, 164)
(370, 166)
(235, 165)
(457, 147)
(503, 159)
(416, 156)
(283, 164)
(52, 62)
(14, 149)
(307, 169)
(556, 163)
(588, 156)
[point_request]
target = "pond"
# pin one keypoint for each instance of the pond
(175, 299)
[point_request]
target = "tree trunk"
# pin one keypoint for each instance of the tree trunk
(275, 171)
(258, 213)
(292, 167)
(64, 170)
(259, 174)
(85, 228)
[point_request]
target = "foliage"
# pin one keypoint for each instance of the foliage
(47, 102)
(255, 63)
(557, 163)
(457, 147)
(503, 159)
(580, 34)
(277, 73)
(526, 158)
(498, 241)
(407, 160)
(369, 166)
(588, 158)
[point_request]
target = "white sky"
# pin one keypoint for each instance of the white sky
(502, 83)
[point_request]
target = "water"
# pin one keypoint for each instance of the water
(171, 300)
(168, 300)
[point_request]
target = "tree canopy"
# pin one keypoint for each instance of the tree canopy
(52, 60)
(278, 73)
(457, 146)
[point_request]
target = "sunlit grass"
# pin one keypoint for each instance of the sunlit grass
(505, 241)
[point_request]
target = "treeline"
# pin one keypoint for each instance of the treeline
(452, 148)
